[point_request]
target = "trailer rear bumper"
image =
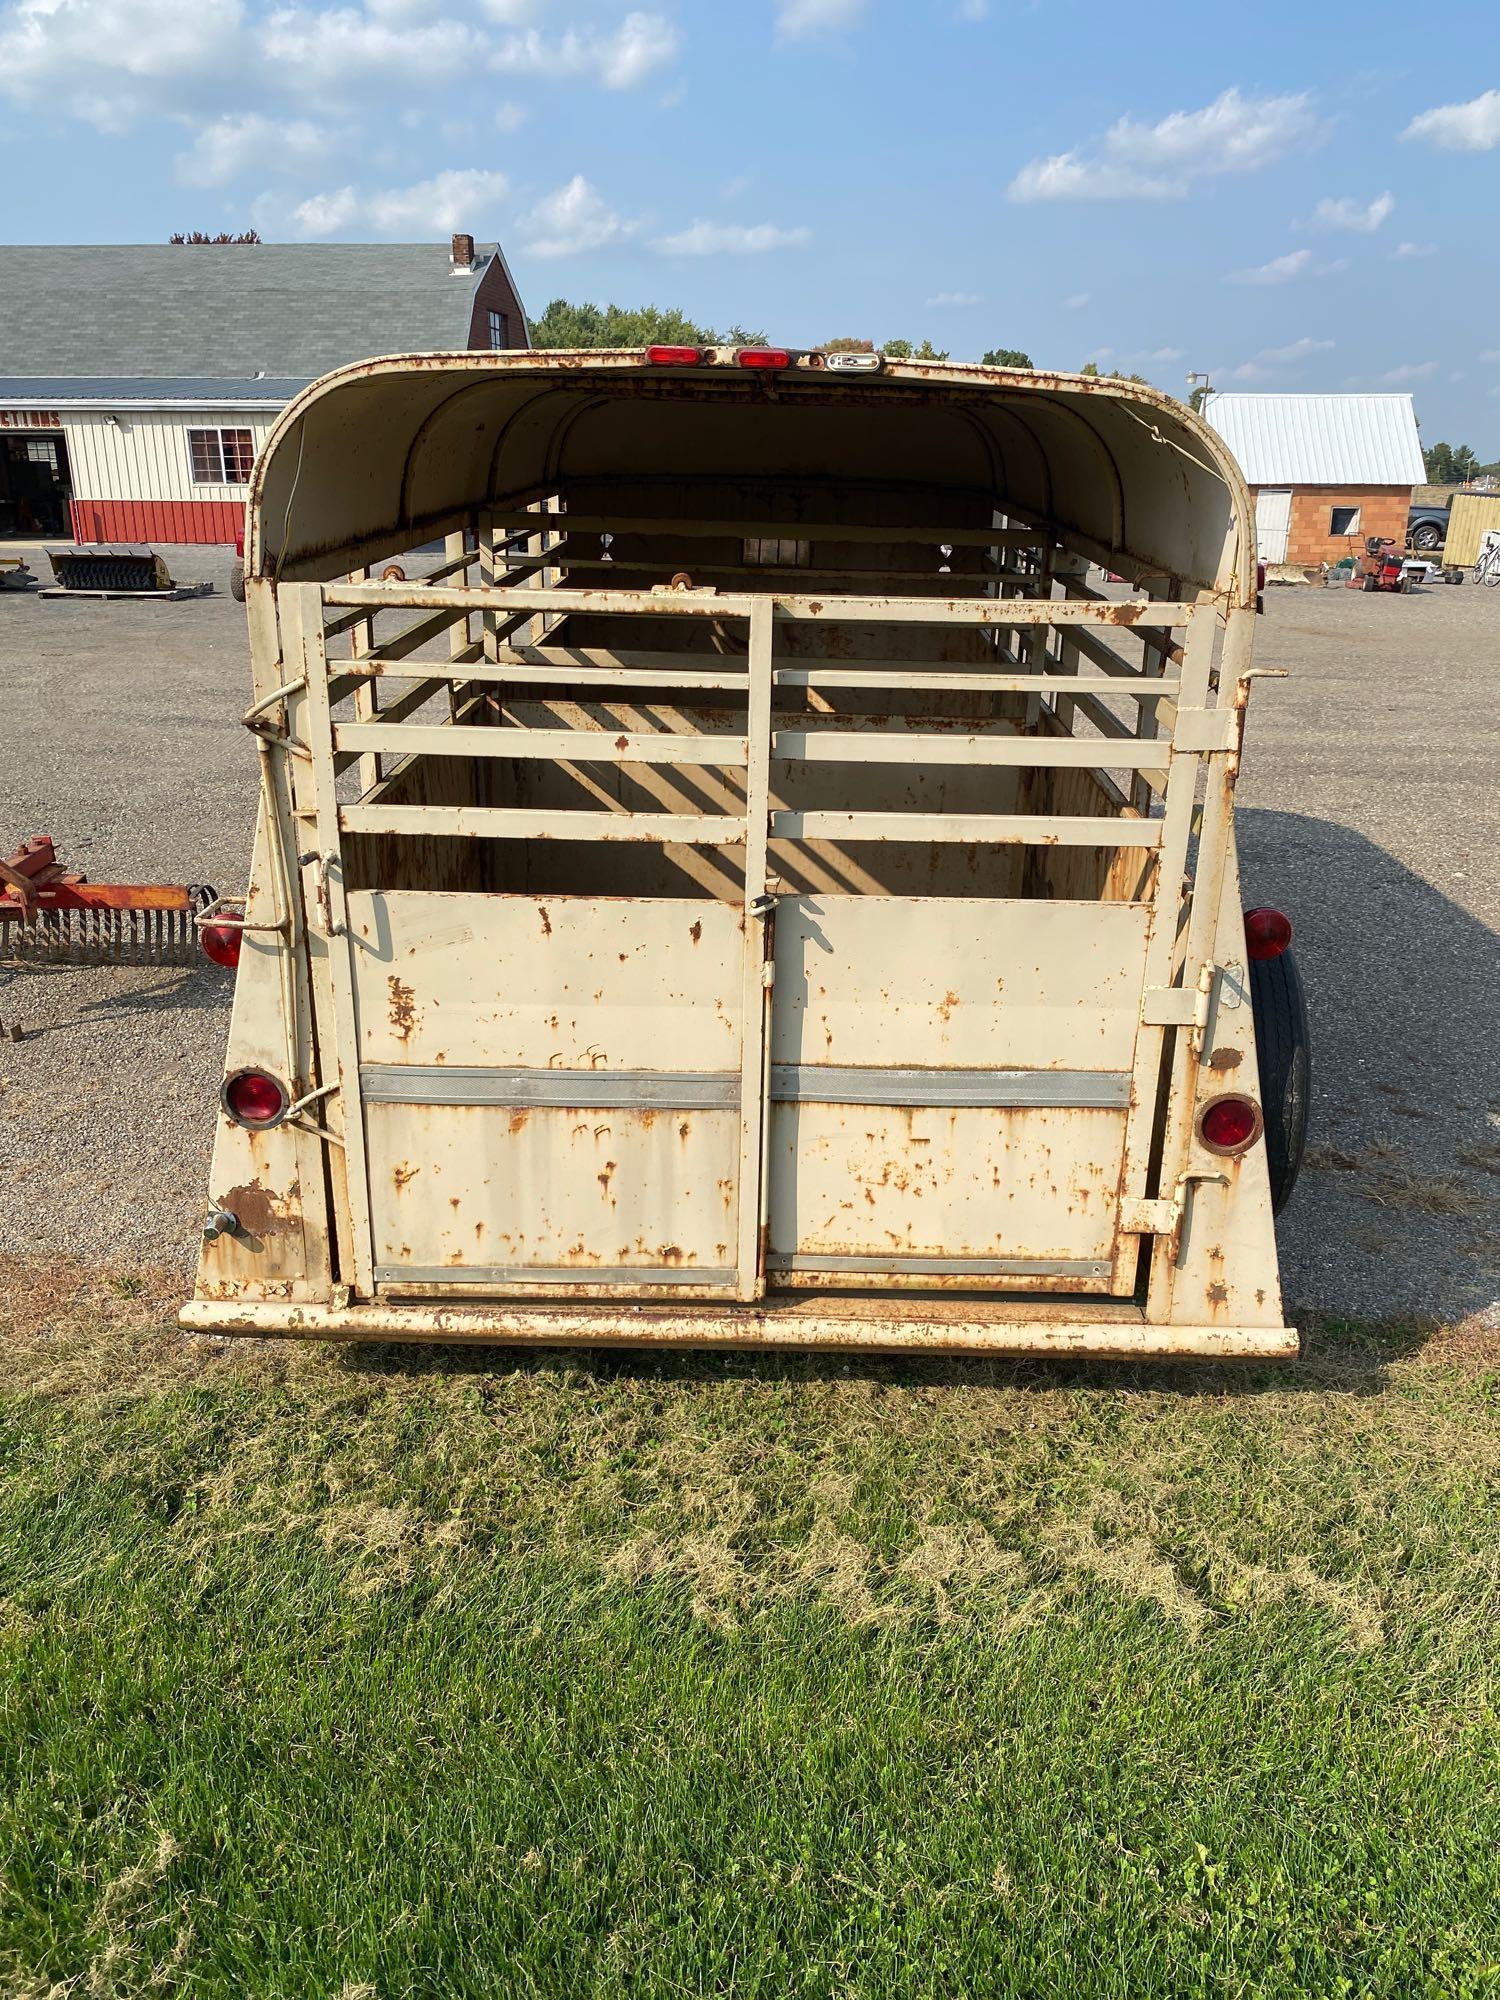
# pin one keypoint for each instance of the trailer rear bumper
(886, 1326)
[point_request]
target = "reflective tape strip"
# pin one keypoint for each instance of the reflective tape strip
(552, 1274)
(944, 1267)
(714, 1090)
(573, 1089)
(808, 1083)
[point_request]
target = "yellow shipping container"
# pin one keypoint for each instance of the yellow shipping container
(1472, 514)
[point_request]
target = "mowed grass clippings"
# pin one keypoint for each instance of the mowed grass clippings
(389, 1671)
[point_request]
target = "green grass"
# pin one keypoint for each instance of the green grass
(386, 1672)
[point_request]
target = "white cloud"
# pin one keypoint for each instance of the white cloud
(1281, 270)
(1157, 162)
(509, 117)
(1167, 354)
(1410, 371)
(729, 239)
(454, 200)
(1295, 350)
(1075, 302)
(1344, 212)
(796, 19)
(326, 214)
(1415, 250)
(640, 45)
(954, 299)
(971, 10)
(1491, 354)
(1461, 128)
(110, 61)
(237, 144)
(571, 220)
(309, 47)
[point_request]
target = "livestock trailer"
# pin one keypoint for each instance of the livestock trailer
(769, 880)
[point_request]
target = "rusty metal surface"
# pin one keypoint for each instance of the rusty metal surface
(1003, 1331)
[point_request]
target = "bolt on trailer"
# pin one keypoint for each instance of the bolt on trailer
(754, 887)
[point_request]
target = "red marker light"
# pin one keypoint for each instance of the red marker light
(764, 357)
(1229, 1124)
(1267, 933)
(674, 357)
(251, 1097)
(221, 943)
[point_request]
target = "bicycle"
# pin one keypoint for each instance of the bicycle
(1487, 564)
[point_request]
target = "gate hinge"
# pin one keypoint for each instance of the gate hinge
(1178, 1006)
(1140, 1217)
(1207, 729)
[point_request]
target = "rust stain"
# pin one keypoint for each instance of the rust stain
(403, 1174)
(622, 742)
(695, 931)
(607, 1175)
(541, 910)
(1218, 1293)
(261, 1210)
(403, 1007)
(1226, 1058)
(684, 1129)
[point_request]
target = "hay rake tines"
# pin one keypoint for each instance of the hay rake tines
(52, 915)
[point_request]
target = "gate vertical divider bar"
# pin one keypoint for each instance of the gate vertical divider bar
(459, 630)
(301, 606)
(757, 960)
(366, 694)
(1202, 934)
(1161, 935)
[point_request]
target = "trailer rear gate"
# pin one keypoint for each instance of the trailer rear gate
(838, 917)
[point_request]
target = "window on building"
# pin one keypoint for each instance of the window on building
(221, 458)
(497, 329)
(1343, 521)
(42, 451)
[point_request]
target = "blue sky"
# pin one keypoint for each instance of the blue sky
(1289, 198)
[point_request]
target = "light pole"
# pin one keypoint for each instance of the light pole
(1199, 388)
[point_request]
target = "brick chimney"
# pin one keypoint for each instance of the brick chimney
(463, 255)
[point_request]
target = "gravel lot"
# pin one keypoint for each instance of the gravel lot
(1367, 810)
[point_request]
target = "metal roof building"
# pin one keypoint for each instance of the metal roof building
(1326, 471)
(138, 381)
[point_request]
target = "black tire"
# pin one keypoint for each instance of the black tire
(1427, 536)
(237, 581)
(1282, 1048)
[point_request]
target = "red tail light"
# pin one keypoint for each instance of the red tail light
(674, 357)
(255, 1098)
(764, 357)
(1229, 1124)
(221, 943)
(1267, 933)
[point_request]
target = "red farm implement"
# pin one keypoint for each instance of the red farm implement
(53, 915)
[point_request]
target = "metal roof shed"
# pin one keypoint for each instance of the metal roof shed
(1326, 471)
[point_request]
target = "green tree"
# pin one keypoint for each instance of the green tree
(1198, 398)
(847, 344)
(902, 350)
(1093, 368)
(1438, 459)
(1465, 463)
(1006, 357)
(564, 324)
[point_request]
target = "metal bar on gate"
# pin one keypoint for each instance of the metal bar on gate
(526, 823)
(803, 531)
(900, 746)
(582, 746)
(984, 829)
(301, 610)
(758, 967)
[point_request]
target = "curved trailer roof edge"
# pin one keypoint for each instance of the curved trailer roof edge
(387, 451)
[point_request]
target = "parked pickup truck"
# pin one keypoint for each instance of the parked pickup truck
(1427, 526)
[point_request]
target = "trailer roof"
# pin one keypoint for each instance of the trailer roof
(387, 452)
